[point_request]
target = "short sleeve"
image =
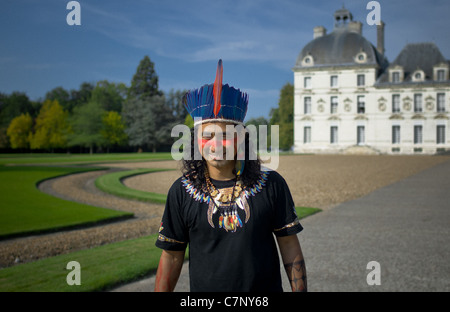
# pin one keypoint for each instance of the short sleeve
(286, 221)
(173, 233)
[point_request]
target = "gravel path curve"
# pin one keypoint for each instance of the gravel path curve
(315, 181)
(81, 188)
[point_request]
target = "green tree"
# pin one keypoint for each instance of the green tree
(148, 121)
(145, 81)
(61, 95)
(20, 131)
(113, 129)
(109, 95)
(259, 121)
(12, 106)
(80, 96)
(51, 127)
(189, 121)
(174, 101)
(283, 116)
(86, 122)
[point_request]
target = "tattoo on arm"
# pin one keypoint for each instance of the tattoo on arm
(296, 272)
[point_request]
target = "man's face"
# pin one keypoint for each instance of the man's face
(216, 145)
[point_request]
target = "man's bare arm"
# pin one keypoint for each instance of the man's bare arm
(169, 269)
(293, 261)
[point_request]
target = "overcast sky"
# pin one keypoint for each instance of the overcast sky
(258, 40)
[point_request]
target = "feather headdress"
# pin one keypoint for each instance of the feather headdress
(216, 102)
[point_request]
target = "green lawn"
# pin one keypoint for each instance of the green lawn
(80, 158)
(111, 183)
(25, 210)
(100, 268)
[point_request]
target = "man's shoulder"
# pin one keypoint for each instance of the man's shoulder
(272, 175)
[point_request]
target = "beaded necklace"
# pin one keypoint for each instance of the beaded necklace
(225, 203)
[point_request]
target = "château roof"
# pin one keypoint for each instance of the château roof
(416, 56)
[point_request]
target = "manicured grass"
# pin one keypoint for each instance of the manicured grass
(100, 268)
(112, 183)
(26, 210)
(303, 212)
(80, 158)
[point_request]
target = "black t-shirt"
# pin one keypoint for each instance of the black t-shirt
(230, 249)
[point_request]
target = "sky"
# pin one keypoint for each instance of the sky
(258, 41)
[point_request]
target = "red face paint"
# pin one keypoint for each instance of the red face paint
(213, 141)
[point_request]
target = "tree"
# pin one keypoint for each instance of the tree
(284, 116)
(51, 128)
(174, 101)
(20, 131)
(109, 95)
(260, 121)
(61, 95)
(189, 121)
(148, 121)
(14, 105)
(145, 81)
(87, 125)
(80, 96)
(113, 129)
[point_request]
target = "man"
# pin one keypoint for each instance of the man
(226, 208)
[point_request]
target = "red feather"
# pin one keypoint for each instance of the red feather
(217, 91)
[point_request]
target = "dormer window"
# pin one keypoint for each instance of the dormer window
(440, 72)
(396, 74)
(361, 58)
(418, 75)
(308, 61)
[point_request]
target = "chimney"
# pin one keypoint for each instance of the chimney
(380, 37)
(355, 27)
(319, 31)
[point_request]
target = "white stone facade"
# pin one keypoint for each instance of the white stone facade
(358, 108)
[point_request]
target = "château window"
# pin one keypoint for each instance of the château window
(417, 134)
(334, 104)
(441, 102)
(307, 134)
(396, 103)
(440, 75)
(333, 134)
(361, 57)
(395, 77)
(360, 139)
(440, 134)
(417, 103)
(361, 104)
(307, 82)
(334, 81)
(361, 80)
(395, 134)
(307, 105)
(418, 75)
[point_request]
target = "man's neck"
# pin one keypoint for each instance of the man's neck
(221, 173)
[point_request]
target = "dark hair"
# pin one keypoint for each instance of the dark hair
(194, 169)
